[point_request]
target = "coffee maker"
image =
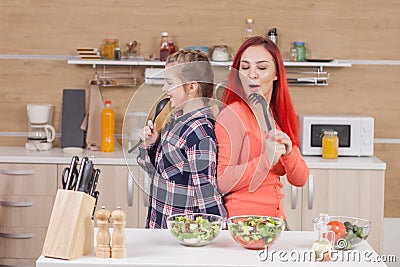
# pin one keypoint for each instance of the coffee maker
(41, 133)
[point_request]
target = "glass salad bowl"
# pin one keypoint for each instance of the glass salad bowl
(255, 232)
(195, 229)
(349, 231)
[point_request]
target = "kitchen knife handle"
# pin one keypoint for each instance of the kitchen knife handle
(96, 196)
(83, 164)
(70, 177)
(95, 180)
(86, 176)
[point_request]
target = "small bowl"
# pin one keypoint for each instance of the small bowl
(255, 232)
(195, 229)
(357, 230)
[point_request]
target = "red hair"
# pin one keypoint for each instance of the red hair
(281, 103)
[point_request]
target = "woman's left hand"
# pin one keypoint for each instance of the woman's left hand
(284, 146)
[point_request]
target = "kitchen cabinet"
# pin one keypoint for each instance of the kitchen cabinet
(27, 193)
(117, 188)
(347, 192)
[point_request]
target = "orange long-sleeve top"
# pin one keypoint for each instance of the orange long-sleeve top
(244, 176)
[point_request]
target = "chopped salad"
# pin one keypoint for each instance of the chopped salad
(197, 232)
(255, 232)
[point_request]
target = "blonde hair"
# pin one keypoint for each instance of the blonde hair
(201, 73)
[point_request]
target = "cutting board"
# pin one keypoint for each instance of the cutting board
(73, 112)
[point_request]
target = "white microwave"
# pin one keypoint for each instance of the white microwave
(355, 133)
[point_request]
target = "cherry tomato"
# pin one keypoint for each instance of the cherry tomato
(338, 228)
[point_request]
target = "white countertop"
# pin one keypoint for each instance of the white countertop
(151, 248)
(14, 154)
(358, 163)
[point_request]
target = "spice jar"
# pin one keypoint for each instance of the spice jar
(330, 144)
(293, 54)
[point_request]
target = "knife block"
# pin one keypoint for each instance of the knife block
(71, 230)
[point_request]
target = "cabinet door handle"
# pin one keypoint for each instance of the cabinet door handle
(17, 204)
(16, 236)
(130, 189)
(310, 191)
(294, 197)
(17, 172)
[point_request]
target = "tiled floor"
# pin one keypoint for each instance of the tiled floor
(391, 239)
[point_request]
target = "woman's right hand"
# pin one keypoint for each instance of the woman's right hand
(149, 135)
(274, 147)
(278, 144)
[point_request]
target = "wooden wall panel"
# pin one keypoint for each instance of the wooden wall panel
(361, 89)
(331, 29)
(339, 29)
(390, 154)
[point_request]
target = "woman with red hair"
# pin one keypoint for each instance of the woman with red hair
(251, 155)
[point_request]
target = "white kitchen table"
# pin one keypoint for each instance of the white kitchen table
(151, 248)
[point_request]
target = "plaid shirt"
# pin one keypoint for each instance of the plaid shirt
(184, 169)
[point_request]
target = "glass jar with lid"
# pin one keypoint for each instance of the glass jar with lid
(330, 144)
(220, 53)
(109, 46)
(301, 50)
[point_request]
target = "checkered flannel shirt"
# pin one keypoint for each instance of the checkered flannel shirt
(184, 169)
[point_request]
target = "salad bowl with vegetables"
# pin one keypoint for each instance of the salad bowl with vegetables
(195, 229)
(255, 232)
(349, 231)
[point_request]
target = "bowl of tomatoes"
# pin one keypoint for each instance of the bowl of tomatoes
(349, 231)
(255, 232)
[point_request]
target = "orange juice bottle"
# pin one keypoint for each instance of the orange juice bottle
(330, 145)
(107, 128)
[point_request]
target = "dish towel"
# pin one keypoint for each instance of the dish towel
(92, 121)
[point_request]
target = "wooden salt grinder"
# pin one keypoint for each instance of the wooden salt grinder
(103, 248)
(118, 249)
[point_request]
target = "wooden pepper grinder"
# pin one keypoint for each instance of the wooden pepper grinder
(118, 249)
(103, 248)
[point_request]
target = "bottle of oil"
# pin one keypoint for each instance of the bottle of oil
(323, 245)
(107, 128)
(248, 29)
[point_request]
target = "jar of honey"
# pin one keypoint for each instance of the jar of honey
(108, 49)
(330, 145)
